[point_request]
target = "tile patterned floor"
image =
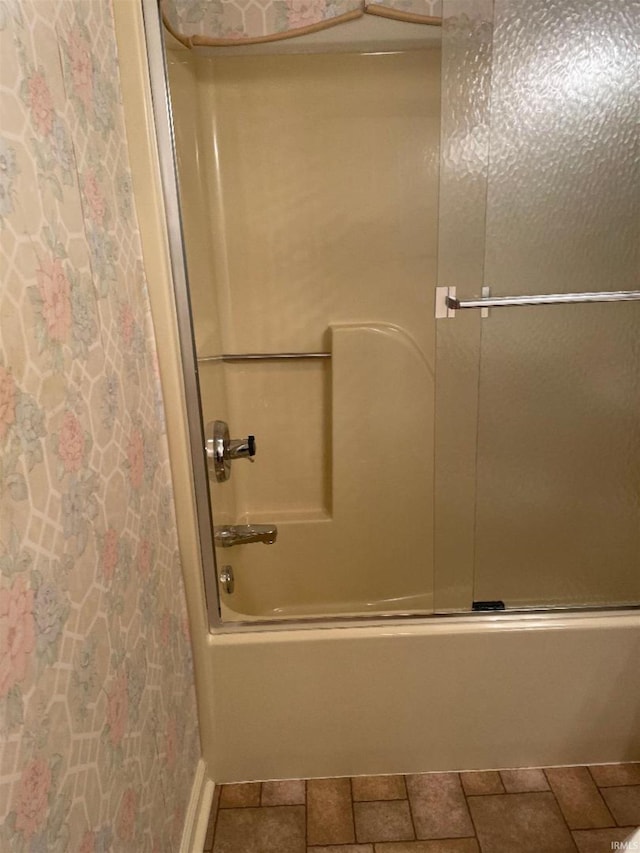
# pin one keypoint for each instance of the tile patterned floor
(552, 810)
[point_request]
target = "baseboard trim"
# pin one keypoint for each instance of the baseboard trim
(198, 808)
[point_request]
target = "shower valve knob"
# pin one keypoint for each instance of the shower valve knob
(221, 450)
(243, 448)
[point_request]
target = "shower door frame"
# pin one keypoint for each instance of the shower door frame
(167, 161)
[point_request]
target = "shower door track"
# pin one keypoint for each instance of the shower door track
(502, 617)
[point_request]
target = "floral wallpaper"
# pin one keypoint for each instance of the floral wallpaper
(424, 8)
(239, 20)
(98, 729)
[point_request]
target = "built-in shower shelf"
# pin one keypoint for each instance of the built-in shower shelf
(297, 516)
(238, 357)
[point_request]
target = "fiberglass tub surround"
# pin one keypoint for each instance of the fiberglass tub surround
(324, 257)
(425, 459)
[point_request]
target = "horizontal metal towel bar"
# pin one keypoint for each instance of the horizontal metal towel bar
(264, 356)
(544, 299)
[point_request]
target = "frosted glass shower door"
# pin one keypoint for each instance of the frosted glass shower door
(538, 406)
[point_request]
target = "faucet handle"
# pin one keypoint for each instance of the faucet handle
(243, 448)
(220, 450)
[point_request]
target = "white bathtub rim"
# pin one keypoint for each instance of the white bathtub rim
(438, 624)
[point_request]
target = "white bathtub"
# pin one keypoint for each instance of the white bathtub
(447, 693)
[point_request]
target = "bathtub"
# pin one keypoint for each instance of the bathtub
(448, 693)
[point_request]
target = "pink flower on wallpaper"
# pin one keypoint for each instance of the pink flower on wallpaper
(81, 66)
(96, 205)
(55, 292)
(33, 797)
(135, 455)
(110, 554)
(40, 103)
(17, 633)
(303, 13)
(126, 825)
(127, 324)
(71, 442)
(171, 741)
(7, 401)
(143, 558)
(118, 709)
(88, 843)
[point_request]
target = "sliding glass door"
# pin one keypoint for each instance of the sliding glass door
(538, 342)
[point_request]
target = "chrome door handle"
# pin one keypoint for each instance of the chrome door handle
(446, 299)
(544, 299)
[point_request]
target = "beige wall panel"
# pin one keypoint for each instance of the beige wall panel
(322, 178)
(371, 549)
(287, 405)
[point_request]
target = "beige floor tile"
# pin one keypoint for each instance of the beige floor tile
(524, 781)
(389, 820)
(609, 775)
(288, 793)
(439, 806)
(329, 812)
(264, 830)
(342, 848)
(599, 840)
(520, 823)
(378, 788)
(240, 796)
(578, 797)
(450, 845)
(624, 804)
(482, 782)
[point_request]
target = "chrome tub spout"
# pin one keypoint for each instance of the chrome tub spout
(229, 535)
